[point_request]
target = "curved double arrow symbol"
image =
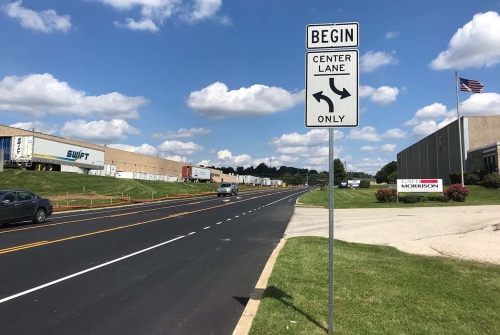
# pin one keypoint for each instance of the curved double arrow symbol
(343, 94)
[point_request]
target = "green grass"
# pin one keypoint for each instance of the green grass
(365, 198)
(63, 188)
(378, 291)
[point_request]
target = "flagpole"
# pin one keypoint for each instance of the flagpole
(459, 133)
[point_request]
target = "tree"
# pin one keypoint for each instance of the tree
(339, 171)
(298, 179)
(287, 178)
(382, 175)
(391, 179)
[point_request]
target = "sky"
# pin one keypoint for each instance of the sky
(219, 82)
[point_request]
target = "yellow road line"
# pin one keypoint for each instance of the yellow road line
(36, 244)
(115, 215)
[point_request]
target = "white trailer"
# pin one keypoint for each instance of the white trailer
(266, 182)
(110, 170)
(124, 174)
(240, 179)
(51, 155)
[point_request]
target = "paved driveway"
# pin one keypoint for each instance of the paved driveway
(467, 232)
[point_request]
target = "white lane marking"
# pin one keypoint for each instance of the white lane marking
(87, 270)
(237, 216)
(206, 227)
(291, 195)
(218, 222)
(191, 233)
(255, 209)
(244, 214)
(260, 207)
(228, 219)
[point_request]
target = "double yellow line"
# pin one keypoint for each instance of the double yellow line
(40, 243)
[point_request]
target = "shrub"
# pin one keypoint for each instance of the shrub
(492, 180)
(364, 184)
(386, 195)
(457, 192)
(470, 178)
(440, 198)
(409, 199)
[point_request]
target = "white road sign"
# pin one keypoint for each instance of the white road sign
(332, 83)
(333, 35)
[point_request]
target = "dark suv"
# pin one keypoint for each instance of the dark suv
(20, 205)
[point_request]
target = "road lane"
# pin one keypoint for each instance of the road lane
(191, 285)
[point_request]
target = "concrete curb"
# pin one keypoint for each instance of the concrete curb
(245, 323)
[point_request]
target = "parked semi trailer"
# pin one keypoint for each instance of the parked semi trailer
(196, 174)
(40, 153)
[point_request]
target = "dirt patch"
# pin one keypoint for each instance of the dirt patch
(496, 227)
(72, 197)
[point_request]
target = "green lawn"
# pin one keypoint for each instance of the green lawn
(365, 198)
(63, 187)
(378, 291)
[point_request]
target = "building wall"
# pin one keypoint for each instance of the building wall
(475, 160)
(438, 155)
(124, 160)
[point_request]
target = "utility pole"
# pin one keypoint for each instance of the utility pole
(307, 179)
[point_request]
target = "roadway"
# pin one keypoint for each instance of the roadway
(177, 267)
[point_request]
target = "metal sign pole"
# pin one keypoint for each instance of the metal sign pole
(331, 214)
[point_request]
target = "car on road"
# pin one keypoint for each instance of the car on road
(227, 189)
(21, 205)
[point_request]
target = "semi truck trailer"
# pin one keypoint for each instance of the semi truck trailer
(34, 152)
(196, 174)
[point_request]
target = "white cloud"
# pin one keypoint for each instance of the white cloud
(394, 133)
(428, 127)
(98, 131)
(367, 133)
(144, 25)
(212, 151)
(46, 21)
(223, 154)
(38, 94)
(37, 125)
(392, 34)
(175, 158)
(225, 158)
(216, 101)
(154, 12)
(312, 138)
(480, 104)
(388, 148)
(144, 149)
(183, 133)
(383, 95)
(370, 61)
(430, 112)
(368, 148)
(368, 165)
(476, 44)
(179, 148)
(309, 151)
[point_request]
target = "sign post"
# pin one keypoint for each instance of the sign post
(332, 81)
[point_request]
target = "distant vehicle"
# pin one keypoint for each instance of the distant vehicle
(196, 174)
(20, 205)
(227, 189)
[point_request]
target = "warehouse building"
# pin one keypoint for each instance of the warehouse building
(124, 161)
(438, 155)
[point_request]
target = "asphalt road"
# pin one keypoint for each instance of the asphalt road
(178, 267)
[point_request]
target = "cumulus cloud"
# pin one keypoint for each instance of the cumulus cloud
(394, 133)
(476, 44)
(371, 61)
(37, 125)
(179, 148)
(154, 12)
(309, 151)
(98, 131)
(225, 158)
(480, 104)
(38, 94)
(368, 148)
(216, 101)
(429, 126)
(430, 112)
(212, 151)
(367, 133)
(388, 148)
(46, 21)
(183, 133)
(367, 165)
(175, 158)
(312, 138)
(383, 95)
(144, 149)
(143, 25)
(391, 34)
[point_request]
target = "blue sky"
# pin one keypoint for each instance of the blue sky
(222, 82)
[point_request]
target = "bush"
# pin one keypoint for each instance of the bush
(386, 195)
(409, 199)
(492, 180)
(470, 178)
(457, 192)
(440, 198)
(364, 184)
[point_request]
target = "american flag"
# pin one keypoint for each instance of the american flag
(468, 85)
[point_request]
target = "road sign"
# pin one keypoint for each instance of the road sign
(332, 35)
(332, 83)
